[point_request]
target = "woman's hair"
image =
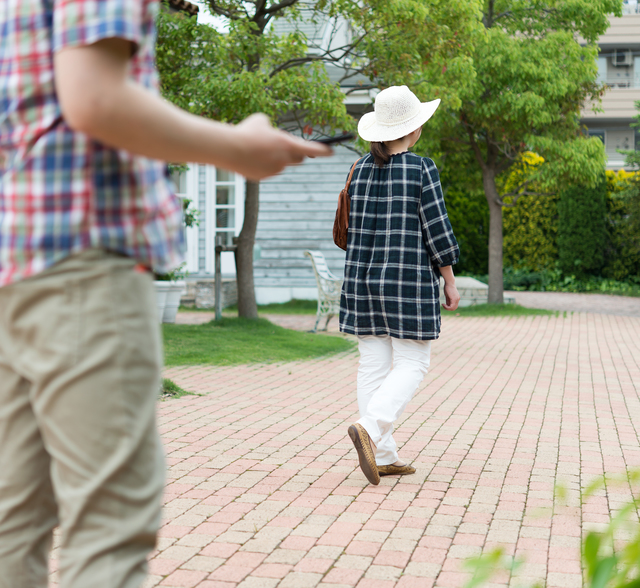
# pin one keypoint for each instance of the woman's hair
(380, 153)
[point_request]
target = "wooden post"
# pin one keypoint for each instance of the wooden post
(219, 248)
(218, 276)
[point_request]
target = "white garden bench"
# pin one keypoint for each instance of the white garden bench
(329, 288)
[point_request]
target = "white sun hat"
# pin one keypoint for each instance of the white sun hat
(397, 112)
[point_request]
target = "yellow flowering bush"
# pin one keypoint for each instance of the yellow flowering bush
(531, 226)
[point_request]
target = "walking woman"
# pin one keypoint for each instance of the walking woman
(399, 243)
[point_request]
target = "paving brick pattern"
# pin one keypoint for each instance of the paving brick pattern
(264, 491)
(569, 301)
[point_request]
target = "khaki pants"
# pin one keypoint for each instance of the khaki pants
(80, 360)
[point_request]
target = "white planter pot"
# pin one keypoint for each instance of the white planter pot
(162, 289)
(168, 296)
(173, 301)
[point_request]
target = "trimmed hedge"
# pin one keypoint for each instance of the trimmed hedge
(531, 233)
(582, 229)
(622, 254)
(469, 216)
(600, 229)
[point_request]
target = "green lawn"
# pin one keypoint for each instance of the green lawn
(292, 307)
(233, 341)
(498, 310)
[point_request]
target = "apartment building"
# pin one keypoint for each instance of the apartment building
(619, 68)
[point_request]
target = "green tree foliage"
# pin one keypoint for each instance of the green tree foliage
(247, 69)
(582, 231)
(623, 203)
(531, 226)
(622, 257)
(250, 68)
(229, 76)
(516, 85)
(422, 43)
(469, 218)
(530, 233)
(512, 77)
(630, 234)
(524, 84)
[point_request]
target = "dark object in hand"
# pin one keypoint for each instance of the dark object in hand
(337, 139)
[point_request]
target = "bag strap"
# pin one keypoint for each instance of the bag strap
(351, 174)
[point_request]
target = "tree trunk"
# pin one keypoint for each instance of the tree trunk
(244, 254)
(496, 285)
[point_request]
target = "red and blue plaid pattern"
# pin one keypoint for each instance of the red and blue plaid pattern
(60, 191)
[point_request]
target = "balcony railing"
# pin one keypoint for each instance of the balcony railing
(621, 82)
(631, 8)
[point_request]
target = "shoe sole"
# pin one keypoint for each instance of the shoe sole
(368, 469)
(397, 472)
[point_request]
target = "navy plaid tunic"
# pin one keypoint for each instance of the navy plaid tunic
(399, 233)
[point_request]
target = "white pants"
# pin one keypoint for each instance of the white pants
(383, 392)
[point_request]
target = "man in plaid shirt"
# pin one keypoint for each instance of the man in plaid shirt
(85, 212)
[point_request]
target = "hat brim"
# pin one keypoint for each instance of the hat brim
(371, 130)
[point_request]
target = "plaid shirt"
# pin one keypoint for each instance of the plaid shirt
(60, 191)
(399, 232)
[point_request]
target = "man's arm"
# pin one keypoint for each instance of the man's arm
(98, 99)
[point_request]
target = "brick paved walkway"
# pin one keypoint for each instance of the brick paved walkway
(598, 303)
(264, 490)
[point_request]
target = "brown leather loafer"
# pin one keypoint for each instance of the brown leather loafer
(394, 470)
(360, 439)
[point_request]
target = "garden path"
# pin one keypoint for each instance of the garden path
(569, 301)
(264, 490)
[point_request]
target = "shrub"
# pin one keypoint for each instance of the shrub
(622, 256)
(469, 216)
(531, 233)
(599, 233)
(582, 233)
(555, 281)
(530, 224)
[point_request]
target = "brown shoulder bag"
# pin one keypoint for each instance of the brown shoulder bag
(341, 224)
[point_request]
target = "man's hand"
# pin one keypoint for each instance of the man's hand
(452, 297)
(269, 150)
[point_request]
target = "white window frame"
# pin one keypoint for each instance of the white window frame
(636, 72)
(211, 183)
(191, 233)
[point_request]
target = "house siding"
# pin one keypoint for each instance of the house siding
(622, 31)
(297, 209)
(617, 104)
(312, 24)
